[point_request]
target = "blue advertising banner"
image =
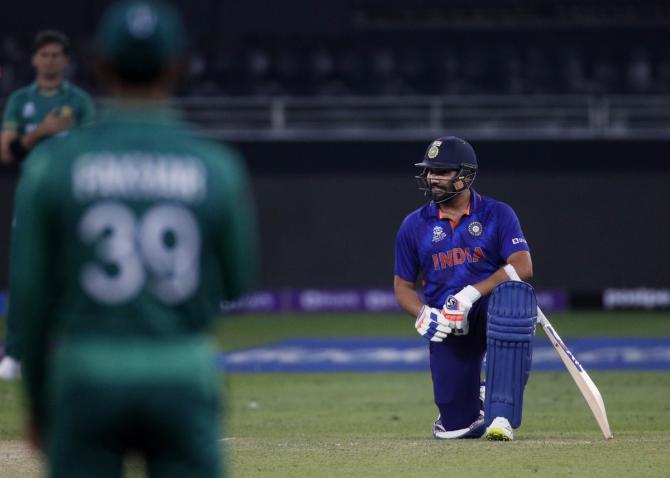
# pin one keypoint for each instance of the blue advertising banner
(354, 300)
(396, 355)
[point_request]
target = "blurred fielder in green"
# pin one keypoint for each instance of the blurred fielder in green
(128, 233)
(49, 106)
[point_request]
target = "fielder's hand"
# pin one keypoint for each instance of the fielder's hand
(55, 122)
(431, 325)
(456, 308)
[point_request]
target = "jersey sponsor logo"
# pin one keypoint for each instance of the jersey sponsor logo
(475, 228)
(456, 257)
(438, 234)
(519, 240)
(29, 110)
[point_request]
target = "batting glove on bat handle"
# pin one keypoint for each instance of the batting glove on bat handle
(456, 309)
(429, 324)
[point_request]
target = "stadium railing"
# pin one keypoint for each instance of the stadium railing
(419, 117)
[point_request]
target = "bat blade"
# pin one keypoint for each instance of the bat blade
(584, 383)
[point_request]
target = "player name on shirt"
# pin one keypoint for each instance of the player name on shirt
(139, 175)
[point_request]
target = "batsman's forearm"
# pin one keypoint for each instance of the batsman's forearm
(411, 305)
(521, 263)
(486, 286)
(407, 298)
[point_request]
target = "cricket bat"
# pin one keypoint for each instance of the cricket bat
(586, 386)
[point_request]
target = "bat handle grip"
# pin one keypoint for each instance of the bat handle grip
(511, 272)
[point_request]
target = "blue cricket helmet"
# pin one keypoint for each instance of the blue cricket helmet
(448, 153)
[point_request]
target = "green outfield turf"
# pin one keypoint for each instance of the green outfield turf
(249, 330)
(378, 425)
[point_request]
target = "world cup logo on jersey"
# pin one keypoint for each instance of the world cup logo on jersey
(29, 110)
(438, 234)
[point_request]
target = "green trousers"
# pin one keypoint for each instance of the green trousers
(96, 419)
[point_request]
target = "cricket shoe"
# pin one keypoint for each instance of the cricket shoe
(475, 430)
(499, 430)
(10, 369)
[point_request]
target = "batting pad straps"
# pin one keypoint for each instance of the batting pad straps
(512, 313)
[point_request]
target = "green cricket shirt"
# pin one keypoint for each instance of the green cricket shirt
(27, 107)
(128, 232)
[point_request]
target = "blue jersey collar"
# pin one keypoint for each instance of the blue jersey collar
(475, 200)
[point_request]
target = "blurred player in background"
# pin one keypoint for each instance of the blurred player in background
(128, 233)
(50, 105)
(47, 107)
(458, 245)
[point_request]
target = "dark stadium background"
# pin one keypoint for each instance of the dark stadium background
(567, 104)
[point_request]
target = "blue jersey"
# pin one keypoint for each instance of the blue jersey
(450, 256)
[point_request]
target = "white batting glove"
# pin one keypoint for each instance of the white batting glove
(456, 309)
(431, 325)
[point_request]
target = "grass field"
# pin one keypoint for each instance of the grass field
(378, 425)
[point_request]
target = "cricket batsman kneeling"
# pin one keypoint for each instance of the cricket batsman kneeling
(459, 244)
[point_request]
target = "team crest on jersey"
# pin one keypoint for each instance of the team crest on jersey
(438, 234)
(434, 149)
(29, 110)
(475, 228)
